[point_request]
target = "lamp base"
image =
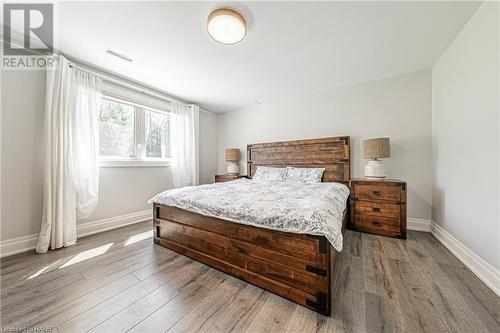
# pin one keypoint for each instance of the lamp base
(233, 168)
(375, 169)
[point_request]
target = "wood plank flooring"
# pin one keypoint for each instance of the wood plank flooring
(118, 281)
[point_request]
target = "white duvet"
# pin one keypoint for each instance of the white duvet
(314, 209)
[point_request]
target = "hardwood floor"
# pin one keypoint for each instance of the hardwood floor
(119, 281)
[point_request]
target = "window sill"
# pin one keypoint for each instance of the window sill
(133, 164)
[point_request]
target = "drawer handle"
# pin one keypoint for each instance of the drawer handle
(375, 209)
(376, 223)
(376, 193)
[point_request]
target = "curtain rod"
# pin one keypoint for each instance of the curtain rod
(128, 85)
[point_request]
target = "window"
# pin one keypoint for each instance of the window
(117, 130)
(133, 135)
(157, 134)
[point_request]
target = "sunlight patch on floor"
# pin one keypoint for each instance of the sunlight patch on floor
(43, 270)
(137, 238)
(97, 251)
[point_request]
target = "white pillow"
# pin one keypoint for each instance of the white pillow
(269, 174)
(304, 175)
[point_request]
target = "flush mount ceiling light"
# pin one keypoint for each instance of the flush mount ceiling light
(226, 26)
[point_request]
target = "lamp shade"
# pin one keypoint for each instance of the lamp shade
(232, 154)
(376, 148)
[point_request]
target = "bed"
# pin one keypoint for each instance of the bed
(297, 266)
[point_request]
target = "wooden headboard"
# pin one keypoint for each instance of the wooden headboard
(333, 154)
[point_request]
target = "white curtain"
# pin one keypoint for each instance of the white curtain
(71, 170)
(184, 122)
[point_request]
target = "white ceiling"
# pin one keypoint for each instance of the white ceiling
(292, 48)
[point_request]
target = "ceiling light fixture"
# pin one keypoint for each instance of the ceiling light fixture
(226, 26)
(119, 55)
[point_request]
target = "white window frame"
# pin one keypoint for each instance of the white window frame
(139, 160)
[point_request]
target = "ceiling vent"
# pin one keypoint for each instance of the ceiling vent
(119, 55)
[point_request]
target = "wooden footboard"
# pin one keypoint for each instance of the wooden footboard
(295, 266)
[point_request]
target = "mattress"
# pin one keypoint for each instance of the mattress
(315, 209)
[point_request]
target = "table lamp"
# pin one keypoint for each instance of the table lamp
(373, 149)
(232, 159)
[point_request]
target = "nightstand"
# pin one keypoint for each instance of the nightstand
(378, 206)
(227, 177)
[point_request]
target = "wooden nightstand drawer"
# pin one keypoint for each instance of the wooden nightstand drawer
(377, 209)
(378, 225)
(377, 192)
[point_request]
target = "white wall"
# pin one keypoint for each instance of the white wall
(23, 100)
(127, 190)
(209, 138)
(122, 190)
(465, 131)
(399, 108)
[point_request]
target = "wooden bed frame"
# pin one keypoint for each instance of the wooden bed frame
(298, 267)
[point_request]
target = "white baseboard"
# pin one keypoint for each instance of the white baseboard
(418, 224)
(27, 243)
(480, 267)
(94, 227)
(18, 245)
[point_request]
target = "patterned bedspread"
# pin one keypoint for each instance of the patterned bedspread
(315, 209)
